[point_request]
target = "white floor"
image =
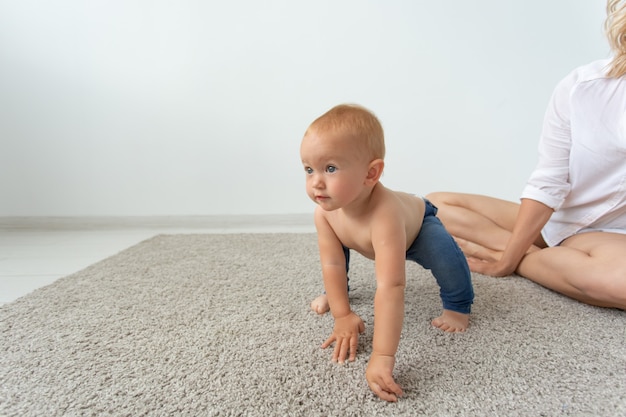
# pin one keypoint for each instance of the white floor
(34, 252)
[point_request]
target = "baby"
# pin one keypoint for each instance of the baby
(342, 152)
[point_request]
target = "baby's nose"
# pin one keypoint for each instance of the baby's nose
(318, 182)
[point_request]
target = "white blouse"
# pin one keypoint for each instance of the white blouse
(581, 172)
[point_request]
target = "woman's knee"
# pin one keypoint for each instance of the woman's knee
(440, 198)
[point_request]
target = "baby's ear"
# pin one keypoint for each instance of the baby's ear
(374, 171)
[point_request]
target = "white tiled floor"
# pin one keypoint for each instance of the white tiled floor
(34, 252)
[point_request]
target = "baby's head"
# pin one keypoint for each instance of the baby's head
(342, 154)
(353, 125)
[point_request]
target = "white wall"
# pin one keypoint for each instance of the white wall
(153, 107)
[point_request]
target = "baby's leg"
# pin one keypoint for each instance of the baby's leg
(435, 249)
(452, 321)
(320, 303)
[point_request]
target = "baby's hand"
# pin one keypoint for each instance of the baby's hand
(346, 337)
(380, 379)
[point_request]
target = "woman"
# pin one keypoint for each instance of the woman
(569, 232)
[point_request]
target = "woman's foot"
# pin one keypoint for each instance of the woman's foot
(320, 304)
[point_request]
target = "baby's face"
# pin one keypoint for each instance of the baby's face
(335, 171)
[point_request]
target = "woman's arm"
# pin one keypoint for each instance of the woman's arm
(531, 218)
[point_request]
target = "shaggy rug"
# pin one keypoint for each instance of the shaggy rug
(219, 325)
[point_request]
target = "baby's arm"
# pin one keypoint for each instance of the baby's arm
(389, 242)
(348, 324)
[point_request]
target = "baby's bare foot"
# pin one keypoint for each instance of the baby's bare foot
(452, 322)
(320, 304)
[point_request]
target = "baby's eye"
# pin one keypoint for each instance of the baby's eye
(308, 170)
(331, 169)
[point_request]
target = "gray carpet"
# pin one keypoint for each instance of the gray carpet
(219, 325)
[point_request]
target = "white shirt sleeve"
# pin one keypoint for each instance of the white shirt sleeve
(549, 182)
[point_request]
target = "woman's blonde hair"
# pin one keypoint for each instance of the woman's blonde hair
(353, 122)
(615, 27)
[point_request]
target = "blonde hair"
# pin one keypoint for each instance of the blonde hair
(353, 122)
(615, 27)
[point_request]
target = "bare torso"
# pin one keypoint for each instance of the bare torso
(355, 232)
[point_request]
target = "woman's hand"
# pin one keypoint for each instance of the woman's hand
(492, 268)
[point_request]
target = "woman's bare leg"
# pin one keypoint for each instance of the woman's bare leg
(589, 267)
(481, 225)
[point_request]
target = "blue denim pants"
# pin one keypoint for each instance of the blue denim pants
(435, 249)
